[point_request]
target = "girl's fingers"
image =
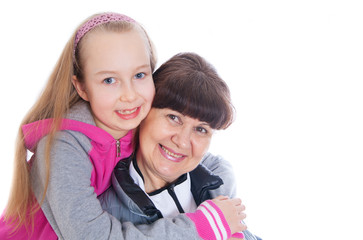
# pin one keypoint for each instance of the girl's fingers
(236, 201)
(221, 197)
(242, 216)
(242, 226)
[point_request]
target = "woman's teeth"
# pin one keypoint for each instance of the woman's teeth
(170, 153)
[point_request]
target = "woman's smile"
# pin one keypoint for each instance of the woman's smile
(170, 154)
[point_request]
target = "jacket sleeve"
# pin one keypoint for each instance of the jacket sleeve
(222, 168)
(72, 207)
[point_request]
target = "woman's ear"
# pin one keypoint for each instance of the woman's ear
(80, 88)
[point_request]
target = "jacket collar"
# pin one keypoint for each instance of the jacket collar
(78, 119)
(202, 180)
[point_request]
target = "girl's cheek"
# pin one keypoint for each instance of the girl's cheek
(148, 90)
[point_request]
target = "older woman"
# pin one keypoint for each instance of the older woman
(165, 177)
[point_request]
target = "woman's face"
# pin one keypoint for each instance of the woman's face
(171, 144)
(118, 80)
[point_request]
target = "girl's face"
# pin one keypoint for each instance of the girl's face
(118, 80)
(171, 144)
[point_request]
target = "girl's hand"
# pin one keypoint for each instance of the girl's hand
(233, 212)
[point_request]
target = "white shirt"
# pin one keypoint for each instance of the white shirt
(163, 200)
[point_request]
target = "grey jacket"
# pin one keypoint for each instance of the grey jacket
(71, 205)
(126, 201)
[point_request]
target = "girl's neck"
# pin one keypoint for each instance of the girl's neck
(117, 135)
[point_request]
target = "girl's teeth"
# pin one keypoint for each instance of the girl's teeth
(170, 153)
(128, 111)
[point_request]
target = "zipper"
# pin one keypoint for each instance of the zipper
(118, 148)
(175, 198)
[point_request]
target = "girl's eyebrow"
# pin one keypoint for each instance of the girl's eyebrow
(115, 72)
(144, 66)
(105, 72)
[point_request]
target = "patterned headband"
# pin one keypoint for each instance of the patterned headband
(97, 20)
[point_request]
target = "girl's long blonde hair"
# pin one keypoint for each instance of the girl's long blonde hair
(54, 102)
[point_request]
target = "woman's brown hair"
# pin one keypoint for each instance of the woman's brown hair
(188, 84)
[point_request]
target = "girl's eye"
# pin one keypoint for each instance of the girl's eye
(109, 80)
(140, 75)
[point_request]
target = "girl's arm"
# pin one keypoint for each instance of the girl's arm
(71, 205)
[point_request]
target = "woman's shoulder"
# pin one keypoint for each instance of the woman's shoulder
(213, 162)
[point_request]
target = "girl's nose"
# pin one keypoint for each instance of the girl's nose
(128, 93)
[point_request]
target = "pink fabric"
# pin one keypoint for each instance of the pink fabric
(101, 152)
(42, 230)
(101, 174)
(97, 20)
(238, 235)
(201, 223)
(33, 132)
(211, 223)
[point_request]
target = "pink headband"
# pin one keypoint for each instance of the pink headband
(97, 20)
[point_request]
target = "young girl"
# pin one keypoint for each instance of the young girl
(81, 126)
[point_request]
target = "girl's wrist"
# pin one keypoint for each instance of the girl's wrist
(210, 222)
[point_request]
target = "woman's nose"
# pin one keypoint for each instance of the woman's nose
(182, 138)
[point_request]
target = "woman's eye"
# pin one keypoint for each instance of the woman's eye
(201, 130)
(109, 80)
(174, 118)
(140, 75)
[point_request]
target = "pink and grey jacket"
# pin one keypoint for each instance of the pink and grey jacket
(83, 157)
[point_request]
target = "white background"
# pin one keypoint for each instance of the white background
(295, 72)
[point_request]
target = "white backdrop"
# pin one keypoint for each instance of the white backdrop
(295, 72)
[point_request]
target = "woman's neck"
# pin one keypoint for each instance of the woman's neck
(151, 181)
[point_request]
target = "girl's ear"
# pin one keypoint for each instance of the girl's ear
(80, 88)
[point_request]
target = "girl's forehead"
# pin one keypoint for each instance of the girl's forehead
(121, 52)
(105, 39)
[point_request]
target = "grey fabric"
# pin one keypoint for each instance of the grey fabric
(72, 207)
(120, 205)
(126, 201)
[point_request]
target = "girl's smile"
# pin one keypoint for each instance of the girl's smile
(129, 114)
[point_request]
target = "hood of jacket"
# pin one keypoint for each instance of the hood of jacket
(78, 119)
(103, 153)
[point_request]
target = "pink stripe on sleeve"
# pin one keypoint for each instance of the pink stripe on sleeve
(239, 235)
(210, 222)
